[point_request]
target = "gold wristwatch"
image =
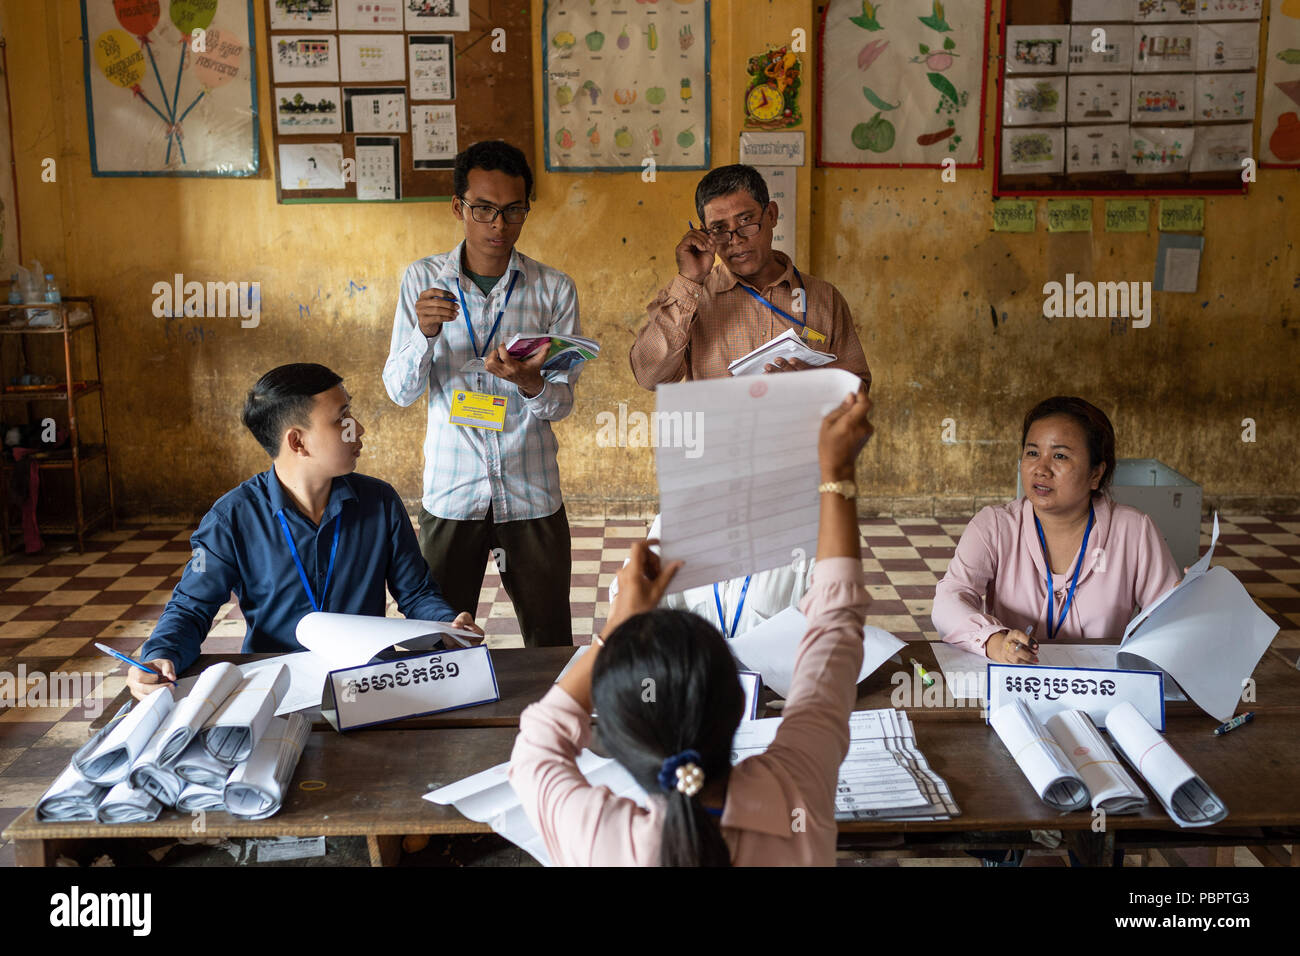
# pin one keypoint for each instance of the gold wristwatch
(847, 489)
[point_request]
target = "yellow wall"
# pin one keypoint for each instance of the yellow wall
(913, 256)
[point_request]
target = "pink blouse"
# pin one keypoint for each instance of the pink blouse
(998, 577)
(589, 826)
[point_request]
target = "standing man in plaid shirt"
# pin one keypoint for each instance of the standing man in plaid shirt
(490, 476)
(711, 314)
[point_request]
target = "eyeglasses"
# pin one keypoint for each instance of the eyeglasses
(486, 212)
(745, 231)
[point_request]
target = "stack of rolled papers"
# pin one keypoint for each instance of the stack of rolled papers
(106, 759)
(72, 797)
(234, 729)
(195, 796)
(125, 804)
(196, 765)
(256, 789)
(163, 752)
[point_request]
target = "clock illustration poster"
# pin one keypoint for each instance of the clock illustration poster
(627, 84)
(902, 84)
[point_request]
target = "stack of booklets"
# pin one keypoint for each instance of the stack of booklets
(1070, 765)
(787, 345)
(212, 743)
(563, 351)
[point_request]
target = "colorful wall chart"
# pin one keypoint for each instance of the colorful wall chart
(626, 81)
(902, 83)
(1279, 130)
(171, 87)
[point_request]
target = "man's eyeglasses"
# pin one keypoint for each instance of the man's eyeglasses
(724, 235)
(486, 212)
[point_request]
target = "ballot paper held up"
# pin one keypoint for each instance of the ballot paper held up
(770, 648)
(788, 346)
(743, 497)
(1206, 633)
(107, 757)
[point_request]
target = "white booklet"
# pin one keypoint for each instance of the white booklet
(787, 345)
(1184, 795)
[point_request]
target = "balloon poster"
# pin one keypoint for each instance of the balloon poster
(627, 84)
(171, 87)
(902, 83)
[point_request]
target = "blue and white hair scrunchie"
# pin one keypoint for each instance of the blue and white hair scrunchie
(681, 772)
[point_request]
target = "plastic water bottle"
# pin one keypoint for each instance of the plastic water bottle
(51, 289)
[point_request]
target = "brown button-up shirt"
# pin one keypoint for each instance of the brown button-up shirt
(695, 330)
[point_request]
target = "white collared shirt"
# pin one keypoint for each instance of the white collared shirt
(467, 468)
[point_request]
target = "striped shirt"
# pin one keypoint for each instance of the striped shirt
(466, 469)
(695, 330)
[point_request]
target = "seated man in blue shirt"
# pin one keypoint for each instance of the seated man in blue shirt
(307, 535)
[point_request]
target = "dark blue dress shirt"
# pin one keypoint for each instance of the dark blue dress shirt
(240, 547)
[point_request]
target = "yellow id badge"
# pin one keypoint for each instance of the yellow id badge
(813, 336)
(479, 410)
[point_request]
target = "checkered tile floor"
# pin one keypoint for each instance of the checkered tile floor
(54, 605)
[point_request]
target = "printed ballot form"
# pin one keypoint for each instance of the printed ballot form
(744, 497)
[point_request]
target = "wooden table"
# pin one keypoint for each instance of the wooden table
(374, 781)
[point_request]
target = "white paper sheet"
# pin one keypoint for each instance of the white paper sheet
(125, 804)
(193, 710)
(347, 640)
(233, 730)
(311, 166)
(770, 648)
(256, 788)
(70, 797)
(372, 58)
(196, 765)
(1184, 795)
(1206, 633)
(195, 796)
(306, 679)
(743, 497)
(1044, 763)
(107, 757)
(1109, 784)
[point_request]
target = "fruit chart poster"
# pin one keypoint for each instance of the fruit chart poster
(627, 85)
(902, 84)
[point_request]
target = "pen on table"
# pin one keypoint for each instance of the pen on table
(134, 663)
(1235, 723)
(926, 679)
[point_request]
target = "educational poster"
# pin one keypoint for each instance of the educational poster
(1033, 150)
(1165, 11)
(1099, 99)
(303, 15)
(1115, 57)
(1158, 149)
(304, 59)
(1231, 9)
(1037, 49)
(1033, 101)
(433, 136)
(370, 15)
(626, 82)
(1221, 147)
(1225, 96)
(372, 58)
(379, 158)
(772, 95)
(1087, 11)
(374, 109)
(1227, 46)
(311, 166)
(433, 67)
(1279, 129)
(307, 109)
(903, 85)
(159, 106)
(437, 16)
(1163, 98)
(1096, 149)
(1164, 48)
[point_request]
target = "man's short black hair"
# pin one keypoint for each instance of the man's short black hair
(726, 180)
(491, 154)
(282, 398)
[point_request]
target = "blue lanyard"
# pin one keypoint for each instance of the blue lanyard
(464, 309)
(775, 308)
(1078, 566)
(302, 572)
(735, 621)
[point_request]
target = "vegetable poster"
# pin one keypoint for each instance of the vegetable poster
(170, 87)
(1279, 130)
(902, 82)
(627, 84)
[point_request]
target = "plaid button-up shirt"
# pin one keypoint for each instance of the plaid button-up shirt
(467, 468)
(695, 330)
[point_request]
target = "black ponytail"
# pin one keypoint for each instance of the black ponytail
(667, 682)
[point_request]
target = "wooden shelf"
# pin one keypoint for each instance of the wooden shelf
(52, 393)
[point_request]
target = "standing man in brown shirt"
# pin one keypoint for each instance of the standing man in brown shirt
(713, 313)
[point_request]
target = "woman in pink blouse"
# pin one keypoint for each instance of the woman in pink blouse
(669, 698)
(1064, 562)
